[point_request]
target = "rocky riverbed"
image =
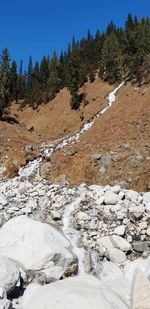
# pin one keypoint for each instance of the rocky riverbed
(50, 232)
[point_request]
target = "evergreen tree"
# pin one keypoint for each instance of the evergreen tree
(13, 82)
(29, 74)
(54, 80)
(4, 81)
(111, 58)
(44, 72)
(36, 90)
(21, 82)
(29, 83)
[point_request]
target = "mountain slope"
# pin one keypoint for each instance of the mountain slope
(116, 149)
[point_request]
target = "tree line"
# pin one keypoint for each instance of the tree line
(112, 55)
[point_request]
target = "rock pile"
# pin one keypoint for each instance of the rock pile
(110, 224)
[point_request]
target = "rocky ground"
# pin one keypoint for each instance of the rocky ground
(108, 234)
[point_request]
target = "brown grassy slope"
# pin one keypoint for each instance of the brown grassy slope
(14, 140)
(52, 121)
(122, 139)
(56, 120)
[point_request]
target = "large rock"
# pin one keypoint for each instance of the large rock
(75, 293)
(9, 274)
(140, 296)
(33, 244)
(114, 241)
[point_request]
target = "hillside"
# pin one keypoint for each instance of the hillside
(50, 122)
(116, 149)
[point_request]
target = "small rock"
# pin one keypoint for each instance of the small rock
(138, 246)
(3, 200)
(120, 230)
(55, 215)
(148, 231)
(117, 256)
(111, 198)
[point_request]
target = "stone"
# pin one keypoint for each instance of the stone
(96, 157)
(5, 304)
(148, 231)
(137, 211)
(146, 201)
(53, 273)
(33, 244)
(117, 256)
(3, 200)
(2, 293)
(114, 241)
(120, 230)
(55, 215)
(78, 292)
(141, 263)
(30, 290)
(100, 201)
(140, 292)
(116, 189)
(101, 250)
(110, 198)
(138, 246)
(82, 216)
(9, 274)
(132, 195)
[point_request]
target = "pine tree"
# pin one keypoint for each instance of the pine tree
(44, 72)
(30, 74)
(111, 58)
(29, 83)
(13, 82)
(36, 91)
(54, 80)
(4, 81)
(21, 82)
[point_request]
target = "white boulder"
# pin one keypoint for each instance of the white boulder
(114, 241)
(75, 293)
(33, 244)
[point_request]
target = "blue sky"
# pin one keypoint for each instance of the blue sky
(37, 27)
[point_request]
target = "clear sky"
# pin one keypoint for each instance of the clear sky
(37, 27)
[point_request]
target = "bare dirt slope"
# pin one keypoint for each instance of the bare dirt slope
(15, 147)
(117, 147)
(56, 120)
(52, 121)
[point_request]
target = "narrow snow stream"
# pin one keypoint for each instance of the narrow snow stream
(72, 234)
(69, 231)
